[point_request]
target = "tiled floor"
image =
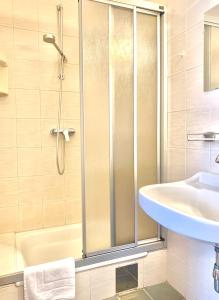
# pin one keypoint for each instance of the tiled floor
(163, 291)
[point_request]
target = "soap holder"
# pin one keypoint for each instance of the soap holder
(3, 77)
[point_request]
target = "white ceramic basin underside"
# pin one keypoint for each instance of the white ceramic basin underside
(189, 207)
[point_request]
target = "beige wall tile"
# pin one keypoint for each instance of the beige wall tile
(73, 159)
(8, 133)
(8, 106)
(30, 190)
(48, 75)
(26, 74)
(9, 192)
(8, 162)
(54, 214)
(11, 72)
(53, 188)
(6, 41)
(47, 15)
(73, 186)
(28, 172)
(48, 140)
(28, 103)
(28, 133)
(8, 219)
(26, 14)
(70, 17)
(26, 44)
(30, 216)
(71, 49)
(49, 104)
(48, 166)
(73, 211)
(6, 13)
(71, 82)
(71, 106)
(29, 161)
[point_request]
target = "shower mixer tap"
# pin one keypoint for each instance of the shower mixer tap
(66, 132)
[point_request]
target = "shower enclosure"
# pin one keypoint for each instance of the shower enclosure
(120, 55)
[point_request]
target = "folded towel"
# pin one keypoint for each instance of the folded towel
(50, 281)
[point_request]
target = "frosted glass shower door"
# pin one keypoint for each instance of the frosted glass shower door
(122, 119)
(148, 122)
(120, 79)
(108, 90)
(96, 125)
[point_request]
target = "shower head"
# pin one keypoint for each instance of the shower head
(51, 39)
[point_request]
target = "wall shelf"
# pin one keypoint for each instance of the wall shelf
(3, 77)
(203, 137)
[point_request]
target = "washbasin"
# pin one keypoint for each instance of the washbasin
(189, 207)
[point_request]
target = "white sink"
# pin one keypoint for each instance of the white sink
(189, 207)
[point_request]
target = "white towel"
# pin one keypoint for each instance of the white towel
(50, 281)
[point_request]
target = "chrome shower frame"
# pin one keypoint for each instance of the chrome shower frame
(159, 10)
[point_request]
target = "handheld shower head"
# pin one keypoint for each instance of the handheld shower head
(51, 39)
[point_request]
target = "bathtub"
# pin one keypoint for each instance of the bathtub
(41, 246)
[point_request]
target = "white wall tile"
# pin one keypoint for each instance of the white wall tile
(176, 164)
(177, 129)
(155, 264)
(82, 290)
(102, 282)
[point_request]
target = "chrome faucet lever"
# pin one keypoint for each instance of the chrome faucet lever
(217, 159)
(67, 132)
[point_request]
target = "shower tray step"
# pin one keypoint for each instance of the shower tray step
(162, 291)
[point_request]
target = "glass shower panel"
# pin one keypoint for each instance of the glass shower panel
(96, 121)
(147, 114)
(122, 91)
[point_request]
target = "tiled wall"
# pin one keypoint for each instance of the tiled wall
(32, 194)
(190, 262)
(99, 284)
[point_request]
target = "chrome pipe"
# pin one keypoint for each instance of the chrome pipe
(216, 269)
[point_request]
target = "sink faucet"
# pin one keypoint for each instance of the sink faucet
(217, 159)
